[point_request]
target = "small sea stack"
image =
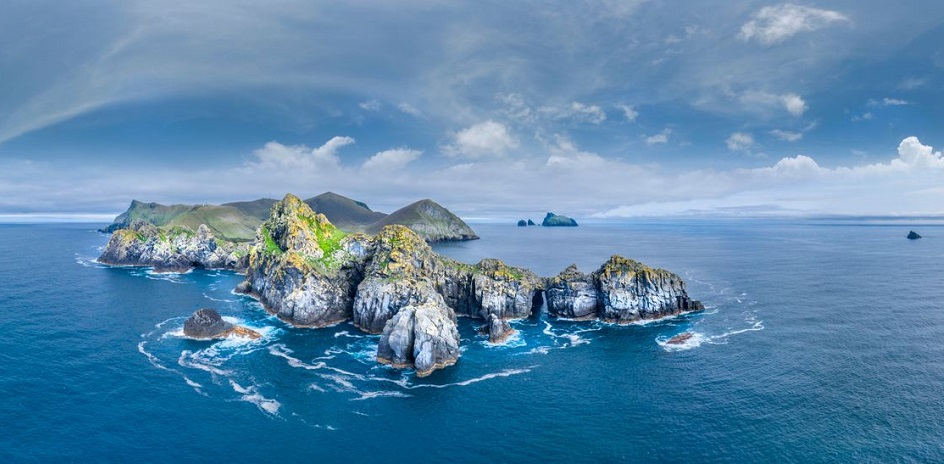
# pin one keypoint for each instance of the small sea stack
(522, 223)
(207, 323)
(913, 235)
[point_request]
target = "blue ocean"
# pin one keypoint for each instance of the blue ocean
(821, 342)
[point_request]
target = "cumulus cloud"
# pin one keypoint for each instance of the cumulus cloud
(274, 155)
(484, 139)
(391, 160)
(774, 24)
(786, 136)
(629, 112)
(740, 141)
(660, 138)
(576, 111)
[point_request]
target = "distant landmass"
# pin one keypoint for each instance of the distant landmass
(556, 220)
(239, 221)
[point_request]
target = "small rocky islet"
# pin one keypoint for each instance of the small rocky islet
(312, 274)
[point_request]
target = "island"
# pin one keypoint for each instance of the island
(555, 220)
(912, 235)
(310, 273)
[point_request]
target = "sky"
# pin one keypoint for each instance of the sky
(495, 109)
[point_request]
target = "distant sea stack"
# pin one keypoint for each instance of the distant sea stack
(554, 220)
(312, 274)
(913, 235)
(522, 223)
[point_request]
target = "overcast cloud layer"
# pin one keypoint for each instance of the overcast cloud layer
(495, 109)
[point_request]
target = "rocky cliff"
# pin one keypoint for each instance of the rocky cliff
(310, 273)
(177, 249)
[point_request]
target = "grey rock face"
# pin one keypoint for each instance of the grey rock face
(572, 295)
(498, 329)
(206, 323)
(424, 337)
(502, 290)
(175, 250)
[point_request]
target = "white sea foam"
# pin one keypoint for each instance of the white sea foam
(380, 394)
(219, 300)
(252, 395)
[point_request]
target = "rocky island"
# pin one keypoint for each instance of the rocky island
(310, 273)
(555, 220)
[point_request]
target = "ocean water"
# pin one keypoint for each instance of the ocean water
(821, 342)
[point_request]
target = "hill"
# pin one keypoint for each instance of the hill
(428, 219)
(346, 214)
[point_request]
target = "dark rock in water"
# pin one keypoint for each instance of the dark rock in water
(498, 329)
(522, 223)
(207, 323)
(243, 287)
(680, 338)
(531, 223)
(554, 220)
(913, 235)
(423, 337)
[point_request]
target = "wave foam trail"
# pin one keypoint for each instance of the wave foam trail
(218, 300)
(251, 394)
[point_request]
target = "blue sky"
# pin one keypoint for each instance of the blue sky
(495, 109)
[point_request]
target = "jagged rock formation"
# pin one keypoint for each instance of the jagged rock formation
(554, 220)
(913, 235)
(177, 249)
(621, 291)
(421, 336)
(303, 268)
(207, 323)
(312, 274)
(531, 223)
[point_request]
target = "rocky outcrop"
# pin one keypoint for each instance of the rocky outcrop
(522, 223)
(913, 235)
(207, 323)
(554, 220)
(531, 223)
(497, 329)
(177, 249)
(622, 291)
(423, 337)
(572, 295)
(311, 274)
(304, 269)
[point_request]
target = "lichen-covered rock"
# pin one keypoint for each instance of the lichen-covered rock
(621, 291)
(630, 291)
(177, 249)
(502, 290)
(572, 295)
(422, 336)
(303, 268)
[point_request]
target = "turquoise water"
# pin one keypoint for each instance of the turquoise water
(821, 343)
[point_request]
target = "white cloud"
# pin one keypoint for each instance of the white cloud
(661, 137)
(274, 155)
(760, 101)
(410, 110)
(484, 139)
(629, 112)
(775, 24)
(391, 160)
(786, 136)
(740, 141)
(370, 105)
(887, 102)
(867, 116)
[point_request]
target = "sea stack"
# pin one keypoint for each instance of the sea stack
(556, 220)
(913, 235)
(207, 323)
